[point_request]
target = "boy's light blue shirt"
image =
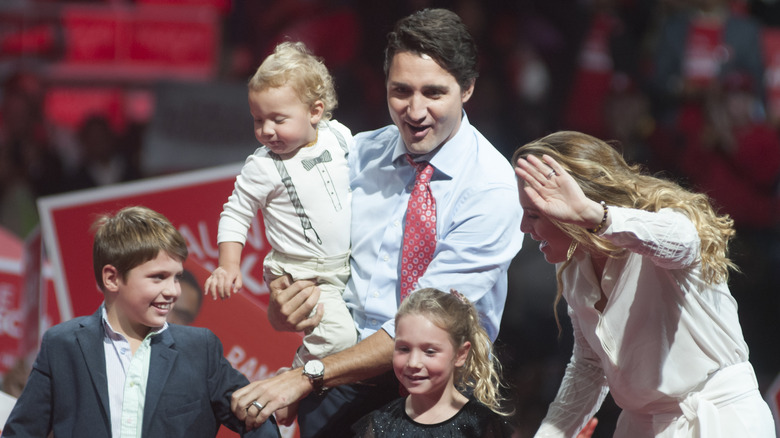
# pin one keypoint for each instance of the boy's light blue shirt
(127, 376)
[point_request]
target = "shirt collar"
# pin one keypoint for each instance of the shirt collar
(445, 163)
(116, 336)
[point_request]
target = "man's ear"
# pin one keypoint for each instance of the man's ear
(467, 92)
(111, 278)
(462, 354)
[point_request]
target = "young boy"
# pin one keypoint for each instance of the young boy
(299, 180)
(124, 371)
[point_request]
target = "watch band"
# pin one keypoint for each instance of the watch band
(318, 382)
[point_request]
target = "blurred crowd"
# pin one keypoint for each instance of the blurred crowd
(684, 87)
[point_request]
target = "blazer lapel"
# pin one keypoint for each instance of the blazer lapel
(90, 340)
(160, 366)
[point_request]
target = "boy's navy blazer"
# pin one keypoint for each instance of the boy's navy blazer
(187, 394)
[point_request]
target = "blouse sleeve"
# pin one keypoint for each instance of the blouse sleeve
(667, 237)
(582, 391)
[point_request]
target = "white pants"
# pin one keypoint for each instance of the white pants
(727, 405)
(336, 331)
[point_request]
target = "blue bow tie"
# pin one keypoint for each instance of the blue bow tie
(309, 163)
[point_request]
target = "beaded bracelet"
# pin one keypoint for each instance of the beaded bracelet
(603, 219)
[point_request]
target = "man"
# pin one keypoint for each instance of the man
(430, 66)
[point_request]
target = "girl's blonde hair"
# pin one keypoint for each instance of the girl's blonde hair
(604, 175)
(292, 64)
(453, 313)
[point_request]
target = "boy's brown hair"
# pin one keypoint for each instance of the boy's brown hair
(131, 237)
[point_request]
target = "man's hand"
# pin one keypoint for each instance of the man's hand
(290, 305)
(271, 394)
(368, 358)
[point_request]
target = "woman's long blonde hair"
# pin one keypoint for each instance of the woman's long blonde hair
(604, 175)
(453, 313)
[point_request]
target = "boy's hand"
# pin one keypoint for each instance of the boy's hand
(223, 282)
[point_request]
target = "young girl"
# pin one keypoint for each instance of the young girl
(643, 266)
(441, 353)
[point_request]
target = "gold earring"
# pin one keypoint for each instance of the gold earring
(572, 248)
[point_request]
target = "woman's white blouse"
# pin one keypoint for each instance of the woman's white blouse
(662, 332)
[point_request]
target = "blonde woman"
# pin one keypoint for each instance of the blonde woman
(643, 266)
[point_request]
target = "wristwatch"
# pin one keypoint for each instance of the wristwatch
(315, 371)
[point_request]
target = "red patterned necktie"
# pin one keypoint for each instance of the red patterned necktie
(420, 229)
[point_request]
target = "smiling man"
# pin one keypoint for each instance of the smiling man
(464, 236)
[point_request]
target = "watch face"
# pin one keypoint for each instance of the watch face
(314, 368)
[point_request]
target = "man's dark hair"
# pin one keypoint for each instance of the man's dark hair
(440, 34)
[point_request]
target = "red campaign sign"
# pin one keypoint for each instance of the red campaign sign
(192, 201)
(10, 245)
(22, 317)
(11, 324)
(223, 6)
(704, 53)
(92, 34)
(147, 39)
(40, 309)
(70, 106)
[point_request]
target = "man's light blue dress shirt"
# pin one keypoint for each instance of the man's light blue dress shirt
(478, 224)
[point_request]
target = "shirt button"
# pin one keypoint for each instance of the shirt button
(385, 257)
(375, 294)
(396, 223)
(373, 322)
